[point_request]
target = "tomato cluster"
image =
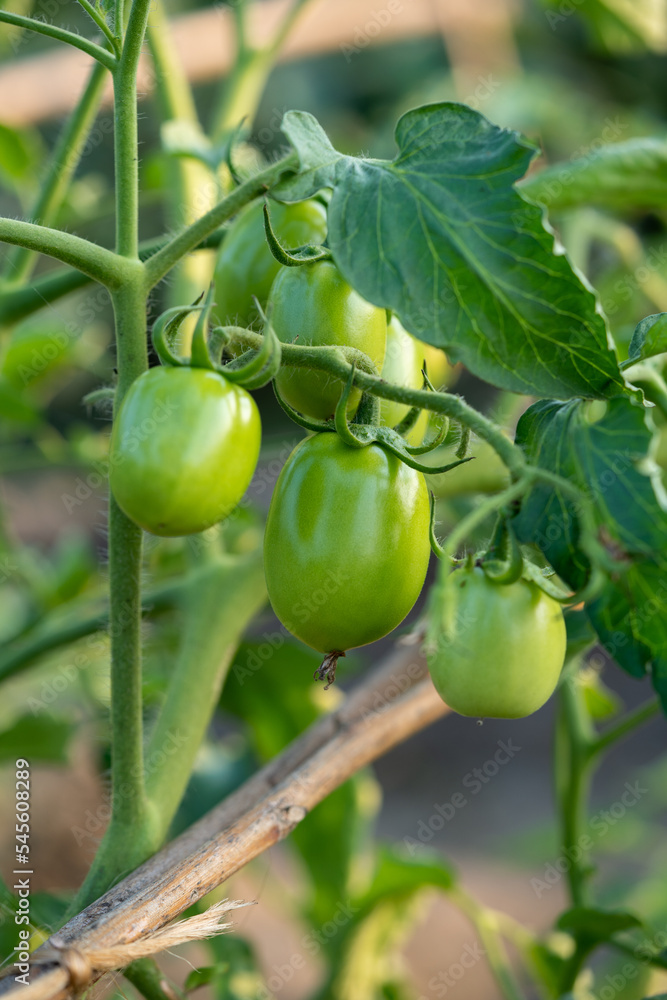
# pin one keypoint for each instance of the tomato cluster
(347, 542)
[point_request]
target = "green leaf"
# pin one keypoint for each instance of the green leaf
(591, 925)
(620, 175)
(43, 739)
(649, 339)
(440, 236)
(603, 457)
(317, 158)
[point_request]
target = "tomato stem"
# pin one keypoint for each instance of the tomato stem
(327, 668)
(339, 361)
(169, 255)
(573, 773)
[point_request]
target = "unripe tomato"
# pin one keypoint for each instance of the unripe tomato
(313, 304)
(184, 448)
(403, 363)
(346, 547)
(245, 265)
(495, 650)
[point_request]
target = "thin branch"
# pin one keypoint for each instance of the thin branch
(103, 56)
(101, 24)
(17, 303)
(393, 704)
(99, 264)
(625, 726)
(166, 258)
(61, 168)
(338, 361)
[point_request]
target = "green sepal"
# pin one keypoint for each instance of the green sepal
(503, 562)
(199, 351)
(435, 442)
(308, 423)
(263, 365)
(165, 328)
(291, 258)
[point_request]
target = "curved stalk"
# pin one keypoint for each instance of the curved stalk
(103, 56)
(98, 18)
(573, 774)
(17, 303)
(99, 264)
(162, 262)
(338, 361)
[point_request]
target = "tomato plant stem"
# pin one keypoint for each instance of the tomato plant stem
(132, 835)
(339, 361)
(103, 56)
(126, 155)
(574, 734)
(192, 187)
(625, 726)
(98, 263)
(162, 262)
(63, 162)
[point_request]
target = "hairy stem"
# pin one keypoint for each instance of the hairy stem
(103, 56)
(126, 156)
(63, 163)
(162, 262)
(96, 262)
(192, 189)
(17, 303)
(573, 777)
(338, 361)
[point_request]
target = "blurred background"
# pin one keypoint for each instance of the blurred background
(573, 76)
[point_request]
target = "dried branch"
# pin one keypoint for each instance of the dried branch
(397, 701)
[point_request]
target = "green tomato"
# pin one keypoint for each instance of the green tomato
(313, 304)
(184, 448)
(346, 547)
(494, 650)
(403, 363)
(245, 264)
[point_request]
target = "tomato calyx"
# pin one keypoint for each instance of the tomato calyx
(361, 435)
(327, 668)
(307, 254)
(503, 560)
(251, 371)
